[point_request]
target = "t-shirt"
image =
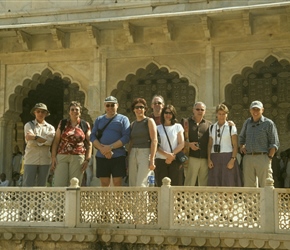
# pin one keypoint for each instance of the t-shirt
(4, 183)
(172, 132)
(223, 137)
(118, 129)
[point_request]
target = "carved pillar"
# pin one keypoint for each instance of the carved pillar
(5, 127)
(210, 96)
(96, 95)
(268, 206)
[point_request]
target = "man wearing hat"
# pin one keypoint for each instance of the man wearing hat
(258, 142)
(109, 135)
(38, 136)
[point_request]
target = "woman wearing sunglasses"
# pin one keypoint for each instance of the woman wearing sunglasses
(71, 149)
(222, 151)
(172, 142)
(143, 145)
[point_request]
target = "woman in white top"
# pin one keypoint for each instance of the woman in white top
(222, 152)
(166, 163)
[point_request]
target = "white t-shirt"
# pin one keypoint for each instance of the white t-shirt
(224, 140)
(4, 183)
(172, 132)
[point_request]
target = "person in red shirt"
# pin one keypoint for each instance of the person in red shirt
(71, 148)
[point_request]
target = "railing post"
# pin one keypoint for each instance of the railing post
(164, 205)
(71, 203)
(267, 206)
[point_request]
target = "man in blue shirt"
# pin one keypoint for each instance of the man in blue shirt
(258, 142)
(111, 154)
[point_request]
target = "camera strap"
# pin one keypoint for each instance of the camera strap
(221, 134)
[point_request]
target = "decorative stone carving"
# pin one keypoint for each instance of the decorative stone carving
(74, 183)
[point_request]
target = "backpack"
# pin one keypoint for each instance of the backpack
(83, 125)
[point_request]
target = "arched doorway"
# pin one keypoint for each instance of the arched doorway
(152, 81)
(269, 82)
(53, 90)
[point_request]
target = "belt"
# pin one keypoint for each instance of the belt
(257, 153)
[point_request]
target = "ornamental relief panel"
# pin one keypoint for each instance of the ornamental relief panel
(268, 82)
(155, 81)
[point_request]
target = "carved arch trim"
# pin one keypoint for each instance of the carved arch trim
(153, 80)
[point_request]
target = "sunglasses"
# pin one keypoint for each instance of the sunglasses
(73, 109)
(168, 113)
(218, 133)
(41, 111)
(139, 107)
(199, 110)
(157, 103)
(110, 105)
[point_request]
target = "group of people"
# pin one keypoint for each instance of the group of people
(215, 148)
(151, 142)
(155, 140)
(65, 151)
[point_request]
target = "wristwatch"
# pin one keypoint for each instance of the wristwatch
(112, 146)
(270, 157)
(36, 137)
(233, 157)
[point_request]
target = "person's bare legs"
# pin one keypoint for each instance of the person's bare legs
(105, 181)
(117, 181)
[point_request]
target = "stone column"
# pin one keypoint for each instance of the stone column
(267, 206)
(4, 147)
(72, 205)
(209, 88)
(96, 95)
(164, 204)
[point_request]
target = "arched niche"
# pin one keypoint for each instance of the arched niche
(151, 81)
(53, 89)
(269, 82)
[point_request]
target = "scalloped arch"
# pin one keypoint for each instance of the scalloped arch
(267, 81)
(21, 92)
(152, 80)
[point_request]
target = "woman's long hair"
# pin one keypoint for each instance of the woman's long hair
(173, 111)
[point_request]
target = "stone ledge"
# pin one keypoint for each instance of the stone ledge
(159, 237)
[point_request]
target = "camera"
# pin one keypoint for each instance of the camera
(217, 148)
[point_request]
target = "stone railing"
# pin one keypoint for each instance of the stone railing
(187, 215)
(191, 208)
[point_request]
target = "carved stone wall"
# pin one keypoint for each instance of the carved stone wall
(155, 81)
(269, 82)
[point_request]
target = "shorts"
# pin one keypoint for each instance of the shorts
(107, 167)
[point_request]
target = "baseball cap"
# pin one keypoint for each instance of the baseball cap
(111, 99)
(256, 104)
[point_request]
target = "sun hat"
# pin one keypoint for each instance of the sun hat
(39, 106)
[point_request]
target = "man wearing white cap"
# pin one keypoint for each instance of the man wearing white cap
(258, 142)
(110, 133)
